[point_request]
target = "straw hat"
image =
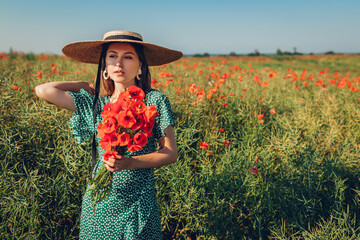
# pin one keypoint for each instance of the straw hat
(89, 51)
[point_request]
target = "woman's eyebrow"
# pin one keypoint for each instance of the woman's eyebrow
(124, 53)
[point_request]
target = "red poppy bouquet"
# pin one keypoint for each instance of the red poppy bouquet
(126, 126)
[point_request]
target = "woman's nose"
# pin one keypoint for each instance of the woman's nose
(119, 63)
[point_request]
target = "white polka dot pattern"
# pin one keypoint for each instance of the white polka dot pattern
(131, 212)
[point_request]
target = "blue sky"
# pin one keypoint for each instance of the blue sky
(216, 27)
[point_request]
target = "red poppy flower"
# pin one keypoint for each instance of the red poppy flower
(136, 93)
(126, 119)
(124, 101)
(254, 170)
(114, 139)
(109, 124)
(139, 107)
(133, 147)
(148, 126)
(101, 133)
(260, 116)
(39, 74)
(204, 145)
(153, 81)
(140, 139)
(108, 111)
(139, 123)
(123, 139)
(226, 143)
(105, 142)
(256, 78)
(115, 108)
(107, 155)
(221, 130)
(150, 113)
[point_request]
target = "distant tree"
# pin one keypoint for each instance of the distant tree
(329, 53)
(287, 53)
(201, 55)
(296, 52)
(279, 52)
(255, 53)
(232, 54)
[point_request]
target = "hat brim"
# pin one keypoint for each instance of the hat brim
(89, 51)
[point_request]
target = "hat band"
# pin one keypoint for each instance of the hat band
(123, 37)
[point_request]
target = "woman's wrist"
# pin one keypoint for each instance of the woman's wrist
(134, 162)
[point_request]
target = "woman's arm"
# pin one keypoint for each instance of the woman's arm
(55, 93)
(167, 154)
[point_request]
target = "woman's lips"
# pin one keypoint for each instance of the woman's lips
(119, 73)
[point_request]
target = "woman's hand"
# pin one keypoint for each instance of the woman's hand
(90, 89)
(118, 164)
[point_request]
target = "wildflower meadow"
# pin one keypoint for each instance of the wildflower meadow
(269, 148)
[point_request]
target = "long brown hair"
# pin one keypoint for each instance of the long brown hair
(107, 86)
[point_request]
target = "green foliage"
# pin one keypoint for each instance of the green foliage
(201, 55)
(254, 54)
(329, 53)
(306, 152)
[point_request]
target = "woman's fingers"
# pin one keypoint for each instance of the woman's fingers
(110, 164)
(117, 164)
(110, 169)
(114, 164)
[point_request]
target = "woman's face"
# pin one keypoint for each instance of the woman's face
(122, 63)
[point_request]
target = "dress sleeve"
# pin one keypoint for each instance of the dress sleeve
(82, 120)
(166, 116)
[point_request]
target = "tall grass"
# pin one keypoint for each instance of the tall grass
(301, 143)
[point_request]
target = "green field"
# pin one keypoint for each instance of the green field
(268, 149)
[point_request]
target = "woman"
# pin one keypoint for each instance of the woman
(131, 211)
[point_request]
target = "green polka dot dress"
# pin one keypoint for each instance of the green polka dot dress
(131, 212)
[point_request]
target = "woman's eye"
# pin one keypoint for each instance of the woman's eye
(128, 57)
(112, 56)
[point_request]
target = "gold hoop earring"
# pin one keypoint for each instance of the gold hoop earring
(105, 75)
(138, 74)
